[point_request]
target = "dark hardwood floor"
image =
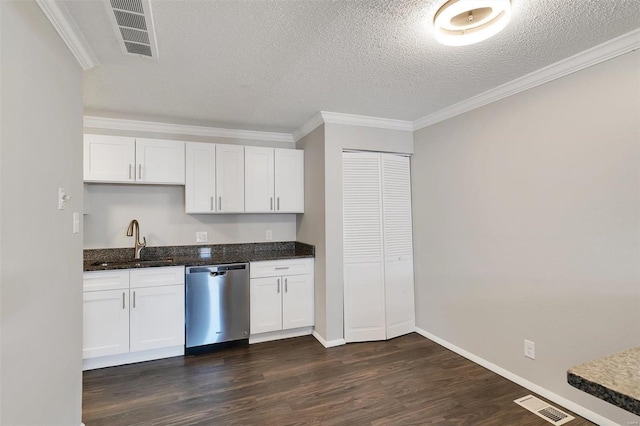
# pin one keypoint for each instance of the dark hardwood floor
(405, 381)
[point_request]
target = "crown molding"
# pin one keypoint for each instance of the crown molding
(180, 129)
(600, 53)
(308, 127)
(350, 119)
(66, 26)
(365, 121)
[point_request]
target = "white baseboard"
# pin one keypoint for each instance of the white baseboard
(278, 335)
(569, 405)
(131, 357)
(330, 343)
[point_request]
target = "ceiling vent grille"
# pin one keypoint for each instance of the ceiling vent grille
(133, 25)
(544, 410)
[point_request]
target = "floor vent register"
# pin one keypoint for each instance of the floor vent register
(544, 410)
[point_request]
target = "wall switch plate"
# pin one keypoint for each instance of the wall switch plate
(76, 222)
(202, 237)
(268, 235)
(529, 349)
(62, 198)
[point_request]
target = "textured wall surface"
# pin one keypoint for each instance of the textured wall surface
(526, 224)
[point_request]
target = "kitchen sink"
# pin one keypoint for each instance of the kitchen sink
(135, 263)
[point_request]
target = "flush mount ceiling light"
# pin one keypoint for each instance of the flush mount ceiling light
(463, 22)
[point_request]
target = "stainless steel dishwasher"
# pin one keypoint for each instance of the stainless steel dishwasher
(217, 305)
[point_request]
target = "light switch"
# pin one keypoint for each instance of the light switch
(76, 222)
(62, 198)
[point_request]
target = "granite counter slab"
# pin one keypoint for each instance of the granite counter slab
(120, 258)
(614, 378)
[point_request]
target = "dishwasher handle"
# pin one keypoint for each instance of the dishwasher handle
(218, 273)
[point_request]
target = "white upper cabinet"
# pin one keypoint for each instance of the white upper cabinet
(200, 179)
(160, 161)
(120, 159)
(274, 180)
(230, 178)
(109, 158)
(214, 178)
(289, 180)
(259, 179)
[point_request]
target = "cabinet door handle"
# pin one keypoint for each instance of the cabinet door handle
(278, 285)
(134, 300)
(212, 207)
(286, 285)
(123, 300)
(271, 204)
(279, 268)
(278, 203)
(130, 168)
(220, 203)
(139, 171)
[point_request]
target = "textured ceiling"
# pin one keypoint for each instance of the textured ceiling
(272, 64)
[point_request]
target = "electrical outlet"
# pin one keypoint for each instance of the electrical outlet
(268, 235)
(529, 349)
(202, 237)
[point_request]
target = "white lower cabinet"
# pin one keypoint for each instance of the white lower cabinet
(266, 305)
(132, 315)
(297, 301)
(157, 317)
(281, 297)
(105, 323)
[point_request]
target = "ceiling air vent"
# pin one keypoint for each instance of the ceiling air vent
(544, 410)
(133, 24)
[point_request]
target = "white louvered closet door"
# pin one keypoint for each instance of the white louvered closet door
(398, 245)
(364, 305)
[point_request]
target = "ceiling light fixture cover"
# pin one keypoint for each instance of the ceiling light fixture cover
(463, 22)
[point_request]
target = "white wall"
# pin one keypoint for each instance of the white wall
(160, 210)
(526, 223)
(311, 225)
(339, 137)
(41, 274)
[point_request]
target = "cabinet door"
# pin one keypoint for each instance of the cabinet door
(159, 161)
(289, 180)
(266, 304)
(398, 247)
(297, 301)
(157, 317)
(108, 158)
(105, 323)
(259, 179)
(364, 297)
(230, 178)
(200, 177)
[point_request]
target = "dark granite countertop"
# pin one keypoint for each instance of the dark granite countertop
(122, 258)
(614, 378)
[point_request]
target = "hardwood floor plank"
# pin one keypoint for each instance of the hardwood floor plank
(405, 381)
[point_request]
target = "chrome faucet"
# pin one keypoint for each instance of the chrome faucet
(138, 245)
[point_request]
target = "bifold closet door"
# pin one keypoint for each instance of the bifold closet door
(398, 245)
(364, 304)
